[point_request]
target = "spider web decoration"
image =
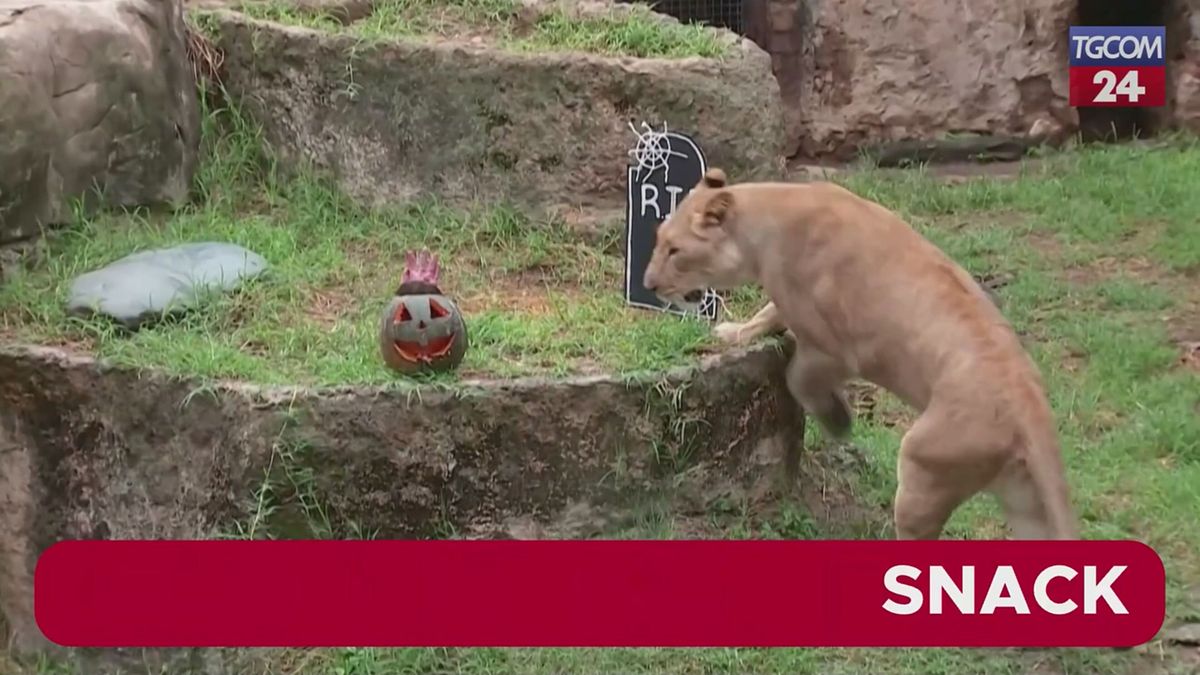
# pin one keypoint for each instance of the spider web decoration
(653, 151)
(711, 303)
(664, 166)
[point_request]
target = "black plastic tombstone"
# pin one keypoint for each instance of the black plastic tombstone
(665, 167)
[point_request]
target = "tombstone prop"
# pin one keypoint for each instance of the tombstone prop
(665, 166)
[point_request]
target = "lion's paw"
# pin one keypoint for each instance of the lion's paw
(728, 332)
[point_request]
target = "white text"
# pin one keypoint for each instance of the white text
(1003, 590)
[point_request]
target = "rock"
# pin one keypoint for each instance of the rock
(11, 259)
(96, 94)
(539, 128)
(802, 173)
(1050, 132)
(18, 255)
(991, 283)
(1187, 634)
(964, 149)
(148, 284)
(1185, 72)
(873, 72)
(1190, 355)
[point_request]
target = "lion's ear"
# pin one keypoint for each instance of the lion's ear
(714, 178)
(717, 209)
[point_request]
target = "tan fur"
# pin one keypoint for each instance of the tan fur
(866, 296)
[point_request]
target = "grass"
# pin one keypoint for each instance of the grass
(372, 661)
(538, 299)
(635, 31)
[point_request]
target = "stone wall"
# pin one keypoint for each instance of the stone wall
(872, 72)
(1184, 86)
(88, 451)
(394, 120)
(858, 73)
(783, 35)
(97, 102)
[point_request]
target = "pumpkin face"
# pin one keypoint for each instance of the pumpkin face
(421, 333)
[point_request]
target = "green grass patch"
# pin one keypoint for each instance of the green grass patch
(1097, 196)
(635, 30)
(792, 661)
(538, 298)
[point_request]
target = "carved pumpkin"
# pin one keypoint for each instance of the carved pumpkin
(421, 329)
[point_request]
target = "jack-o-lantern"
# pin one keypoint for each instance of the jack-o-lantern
(422, 329)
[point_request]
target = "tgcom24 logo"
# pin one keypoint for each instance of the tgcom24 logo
(1118, 66)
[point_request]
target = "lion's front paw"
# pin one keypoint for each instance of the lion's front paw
(728, 332)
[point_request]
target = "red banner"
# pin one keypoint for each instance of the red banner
(1117, 86)
(599, 593)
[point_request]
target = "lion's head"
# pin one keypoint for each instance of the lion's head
(694, 249)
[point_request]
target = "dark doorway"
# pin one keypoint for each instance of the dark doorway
(1117, 124)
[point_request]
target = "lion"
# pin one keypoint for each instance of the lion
(864, 295)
